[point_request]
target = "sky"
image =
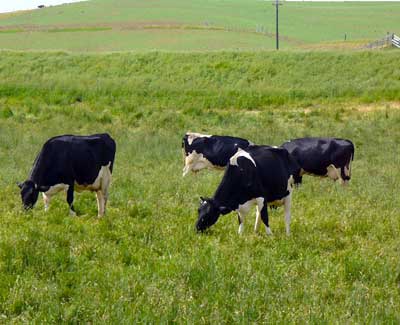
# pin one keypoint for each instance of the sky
(14, 5)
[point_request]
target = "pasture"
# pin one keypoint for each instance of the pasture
(196, 25)
(143, 261)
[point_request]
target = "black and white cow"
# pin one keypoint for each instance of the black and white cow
(258, 175)
(69, 162)
(326, 157)
(209, 151)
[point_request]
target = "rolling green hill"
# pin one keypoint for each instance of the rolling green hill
(105, 25)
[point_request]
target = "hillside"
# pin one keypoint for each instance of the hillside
(105, 25)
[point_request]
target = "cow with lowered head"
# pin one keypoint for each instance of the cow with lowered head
(68, 163)
(325, 157)
(209, 151)
(259, 175)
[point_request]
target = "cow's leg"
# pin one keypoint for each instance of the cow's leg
(105, 196)
(344, 175)
(188, 165)
(46, 200)
(105, 183)
(241, 222)
(100, 203)
(70, 200)
(333, 173)
(345, 172)
(258, 218)
(287, 202)
(264, 218)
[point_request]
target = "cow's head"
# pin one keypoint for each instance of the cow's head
(209, 212)
(29, 193)
(194, 146)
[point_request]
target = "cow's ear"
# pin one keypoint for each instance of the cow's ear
(202, 199)
(224, 210)
(20, 184)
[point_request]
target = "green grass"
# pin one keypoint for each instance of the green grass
(216, 80)
(142, 40)
(302, 24)
(143, 261)
(72, 30)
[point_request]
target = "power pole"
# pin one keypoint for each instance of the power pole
(277, 4)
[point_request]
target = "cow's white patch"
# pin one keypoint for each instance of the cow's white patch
(100, 186)
(55, 189)
(333, 172)
(191, 136)
(52, 191)
(195, 162)
(101, 182)
(244, 209)
(241, 153)
(268, 231)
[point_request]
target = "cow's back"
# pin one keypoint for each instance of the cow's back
(272, 171)
(88, 154)
(315, 154)
(69, 158)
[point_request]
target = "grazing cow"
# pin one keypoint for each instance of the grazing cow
(326, 157)
(258, 175)
(69, 162)
(209, 151)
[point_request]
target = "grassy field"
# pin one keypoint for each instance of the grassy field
(143, 261)
(122, 25)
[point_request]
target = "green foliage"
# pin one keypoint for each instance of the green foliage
(144, 262)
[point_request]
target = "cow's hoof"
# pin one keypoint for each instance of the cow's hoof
(268, 231)
(72, 213)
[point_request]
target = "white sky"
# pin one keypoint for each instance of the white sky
(13, 5)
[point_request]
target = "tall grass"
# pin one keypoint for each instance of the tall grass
(123, 82)
(144, 262)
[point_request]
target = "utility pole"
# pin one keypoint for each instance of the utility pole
(277, 4)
